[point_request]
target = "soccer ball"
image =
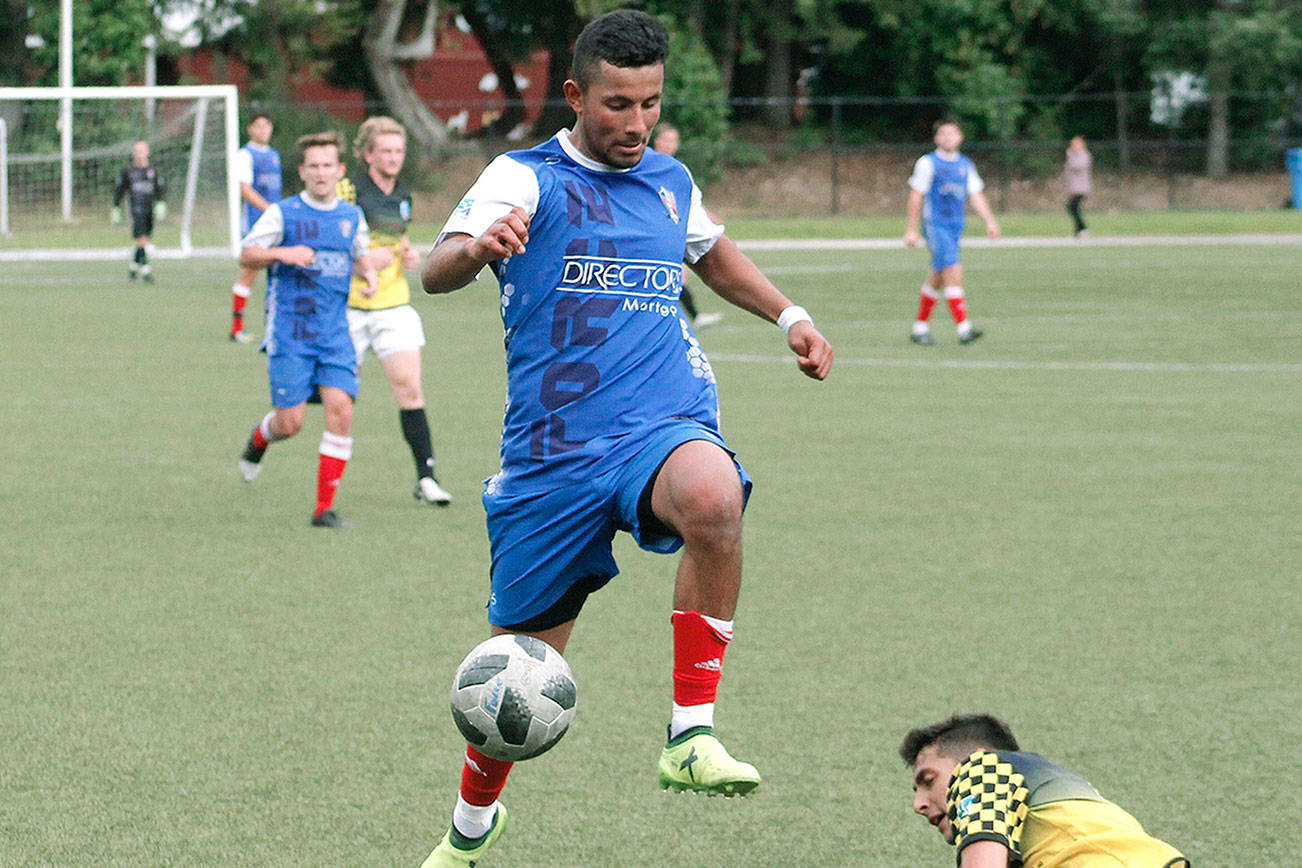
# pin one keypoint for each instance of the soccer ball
(513, 697)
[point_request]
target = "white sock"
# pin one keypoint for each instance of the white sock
(241, 290)
(687, 716)
(920, 327)
(265, 425)
(964, 328)
(473, 821)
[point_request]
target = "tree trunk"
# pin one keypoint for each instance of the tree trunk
(1218, 120)
(777, 65)
(1123, 120)
(384, 56)
(513, 114)
(560, 27)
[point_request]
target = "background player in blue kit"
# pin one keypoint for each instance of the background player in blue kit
(257, 168)
(313, 243)
(612, 419)
(941, 185)
(144, 190)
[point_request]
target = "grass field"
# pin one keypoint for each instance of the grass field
(1087, 523)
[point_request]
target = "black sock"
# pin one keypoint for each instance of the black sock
(415, 427)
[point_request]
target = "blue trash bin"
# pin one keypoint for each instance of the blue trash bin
(1293, 159)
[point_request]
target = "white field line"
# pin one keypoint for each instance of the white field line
(70, 254)
(996, 365)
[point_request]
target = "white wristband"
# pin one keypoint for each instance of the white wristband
(792, 315)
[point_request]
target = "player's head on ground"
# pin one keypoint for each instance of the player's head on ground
(615, 85)
(140, 153)
(934, 751)
(259, 128)
(320, 164)
(666, 139)
(948, 134)
(381, 144)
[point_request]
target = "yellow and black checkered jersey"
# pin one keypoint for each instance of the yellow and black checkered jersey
(387, 214)
(1046, 816)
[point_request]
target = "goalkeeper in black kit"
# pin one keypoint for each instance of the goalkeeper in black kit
(144, 189)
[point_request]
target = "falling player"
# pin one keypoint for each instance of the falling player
(313, 243)
(144, 189)
(942, 183)
(612, 418)
(386, 322)
(257, 167)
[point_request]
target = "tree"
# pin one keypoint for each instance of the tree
(386, 53)
(106, 40)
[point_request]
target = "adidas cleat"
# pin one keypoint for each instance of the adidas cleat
(696, 761)
(428, 490)
(457, 851)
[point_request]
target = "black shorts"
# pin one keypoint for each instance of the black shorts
(142, 223)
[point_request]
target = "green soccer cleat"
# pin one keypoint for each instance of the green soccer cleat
(696, 761)
(464, 853)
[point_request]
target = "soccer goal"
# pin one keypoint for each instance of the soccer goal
(63, 149)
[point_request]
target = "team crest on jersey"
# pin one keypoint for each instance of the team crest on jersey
(346, 227)
(671, 202)
(404, 210)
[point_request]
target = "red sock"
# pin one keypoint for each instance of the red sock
(333, 458)
(237, 312)
(259, 439)
(957, 304)
(482, 777)
(698, 658)
(925, 304)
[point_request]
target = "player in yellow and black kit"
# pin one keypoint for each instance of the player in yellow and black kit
(1003, 808)
(386, 322)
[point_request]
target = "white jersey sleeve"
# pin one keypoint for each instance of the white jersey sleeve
(504, 184)
(243, 166)
(269, 231)
(702, 232)
(923, 172)
(974, 182)
(362, 240)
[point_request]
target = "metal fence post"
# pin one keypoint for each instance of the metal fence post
(836, 156)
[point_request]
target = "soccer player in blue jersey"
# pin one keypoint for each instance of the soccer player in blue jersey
(612, 418)
(939, 189)
(257, 168)
(313, 243)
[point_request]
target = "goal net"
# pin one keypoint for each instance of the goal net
(63, 149)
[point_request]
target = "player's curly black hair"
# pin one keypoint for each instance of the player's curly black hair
(958, 736)
(625, 38)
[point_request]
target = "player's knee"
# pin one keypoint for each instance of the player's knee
(710, 513)
(287, 425)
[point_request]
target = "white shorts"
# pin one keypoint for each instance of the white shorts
(385, 331)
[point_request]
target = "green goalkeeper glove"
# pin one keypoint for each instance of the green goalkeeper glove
(115, 216)
(160, 210)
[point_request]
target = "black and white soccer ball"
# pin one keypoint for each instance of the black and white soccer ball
(513, 697)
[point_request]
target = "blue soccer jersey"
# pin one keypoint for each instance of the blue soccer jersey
(259, 167)
(597, 348)
(945, 183)
(306, 307)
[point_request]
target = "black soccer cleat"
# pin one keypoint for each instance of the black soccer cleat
(330, 518)
(971, 336)
(923, 338)
(250, 460)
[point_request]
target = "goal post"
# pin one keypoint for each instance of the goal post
(193, 131)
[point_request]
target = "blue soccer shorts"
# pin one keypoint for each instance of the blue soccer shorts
(543, 542)
(942, 241)
(295, 378)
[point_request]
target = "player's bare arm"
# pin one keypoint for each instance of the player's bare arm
(913, 215)
(253, 197)
(731, 274)
(984, 854)
(981, 205)
(456, 260)
(264, 257)
(410, 256)
(366, 268)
